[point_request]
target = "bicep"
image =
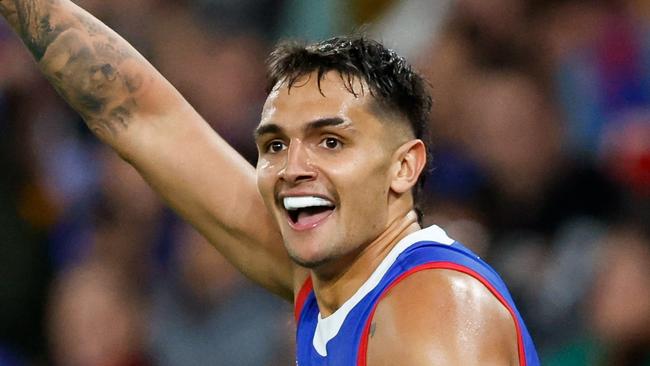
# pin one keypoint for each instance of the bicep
(208, 183)
(442, 317)
(201, 177)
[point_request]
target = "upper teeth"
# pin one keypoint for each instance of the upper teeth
(294, 203)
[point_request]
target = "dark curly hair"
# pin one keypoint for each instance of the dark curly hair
(394, 85)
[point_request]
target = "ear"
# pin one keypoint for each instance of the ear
(410, 159)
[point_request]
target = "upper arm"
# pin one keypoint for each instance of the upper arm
(130, 106)
(202, 177)
(208, 183)
(442, 317)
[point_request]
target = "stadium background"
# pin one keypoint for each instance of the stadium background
(541, 130)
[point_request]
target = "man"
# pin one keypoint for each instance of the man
(340, 154)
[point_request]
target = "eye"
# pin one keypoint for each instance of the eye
(331, 143)
(275, 146)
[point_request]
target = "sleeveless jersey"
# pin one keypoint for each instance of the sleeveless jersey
(341, 339)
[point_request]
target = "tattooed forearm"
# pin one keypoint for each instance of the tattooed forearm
(35, 26)
(96, 71)
(8, 10)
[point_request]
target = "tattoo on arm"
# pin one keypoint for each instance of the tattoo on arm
(373, 327)
(35, 29)
(88, 64)
(8, 10)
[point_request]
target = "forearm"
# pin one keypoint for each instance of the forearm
(8, 10)
(98, 73)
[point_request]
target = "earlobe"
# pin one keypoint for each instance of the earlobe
(410, 160)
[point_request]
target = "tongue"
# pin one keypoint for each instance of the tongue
(312, 215)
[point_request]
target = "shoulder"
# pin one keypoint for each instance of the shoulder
(441, 317)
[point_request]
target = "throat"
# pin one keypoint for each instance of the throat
(336, 282)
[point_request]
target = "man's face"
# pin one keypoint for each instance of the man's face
(324, 168)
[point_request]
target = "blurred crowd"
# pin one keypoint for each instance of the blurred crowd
(541, 146)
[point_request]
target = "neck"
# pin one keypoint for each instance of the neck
(332, 290)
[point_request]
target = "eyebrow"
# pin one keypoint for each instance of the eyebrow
(272, 128)
(325, 122)
(269, 128)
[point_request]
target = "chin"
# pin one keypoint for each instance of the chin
(311, 260)
(309, 264)
(308, 261)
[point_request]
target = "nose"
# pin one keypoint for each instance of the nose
(298, 167)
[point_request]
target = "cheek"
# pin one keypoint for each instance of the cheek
(365, 211)
(366, 185)
(265, 179)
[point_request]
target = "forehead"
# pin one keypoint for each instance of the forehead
(306, 101)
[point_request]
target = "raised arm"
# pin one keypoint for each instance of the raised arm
(131, 107)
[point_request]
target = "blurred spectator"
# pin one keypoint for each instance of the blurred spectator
(24, 268)
(503, 182)
(617, 310)
(118, 221)
(97, 309)
(96, 319)
(195, 61)
(511, 131)
(600, 56)
(205, 313)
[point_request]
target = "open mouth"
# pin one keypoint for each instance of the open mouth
(307, 211)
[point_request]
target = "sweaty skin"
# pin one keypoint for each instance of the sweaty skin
(452, 319)
(327, 143)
